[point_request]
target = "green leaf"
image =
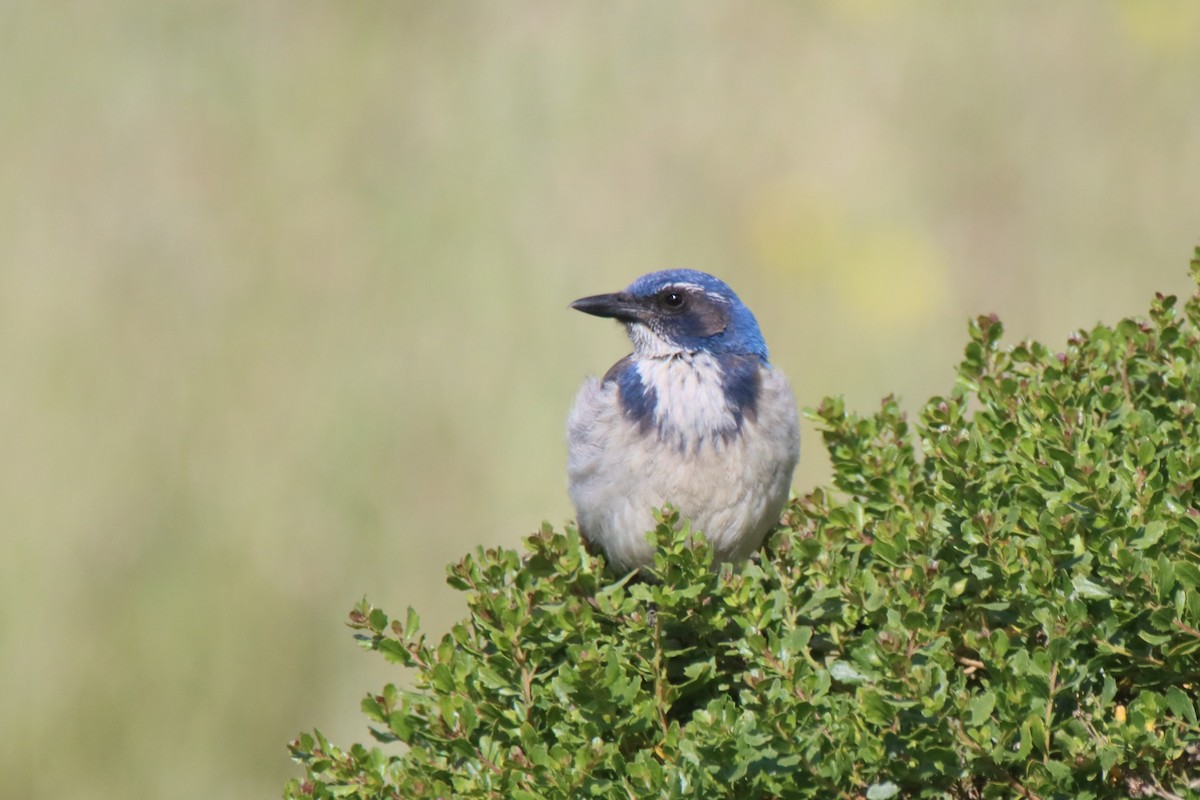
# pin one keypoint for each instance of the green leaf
(412, 623)
(980, 707)
(1188, 574)
(999, 641)
(1085, 588)
(882, 791)
(843, 672)
(1146, 453)
(1181, 704)
(1149, 535)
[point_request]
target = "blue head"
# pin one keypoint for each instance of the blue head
(681, 310)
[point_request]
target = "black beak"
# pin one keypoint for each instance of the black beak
(619, 306)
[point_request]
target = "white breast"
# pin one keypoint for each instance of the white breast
(691, 410)
(731, 487)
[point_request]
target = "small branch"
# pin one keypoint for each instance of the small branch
(660, 689)
(1188, 629)
(971, 664)
(1126, 388)
(1026, 792)
(1050, 707)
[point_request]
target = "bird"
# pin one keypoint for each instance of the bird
(695, 417)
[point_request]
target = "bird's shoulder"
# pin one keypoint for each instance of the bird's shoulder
(597, 401)
(618, 369)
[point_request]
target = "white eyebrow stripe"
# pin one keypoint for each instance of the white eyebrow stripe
(697, 288)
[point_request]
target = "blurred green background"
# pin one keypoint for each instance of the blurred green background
(283, 313)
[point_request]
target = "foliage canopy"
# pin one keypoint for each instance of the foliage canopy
(1000, 599)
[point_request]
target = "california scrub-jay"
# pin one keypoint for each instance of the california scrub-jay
(695, 417)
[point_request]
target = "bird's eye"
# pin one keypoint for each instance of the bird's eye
(672, 299)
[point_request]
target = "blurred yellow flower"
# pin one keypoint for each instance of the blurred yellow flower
(1163, 27)
(885, 274)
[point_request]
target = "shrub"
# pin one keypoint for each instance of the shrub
(1001, 599)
